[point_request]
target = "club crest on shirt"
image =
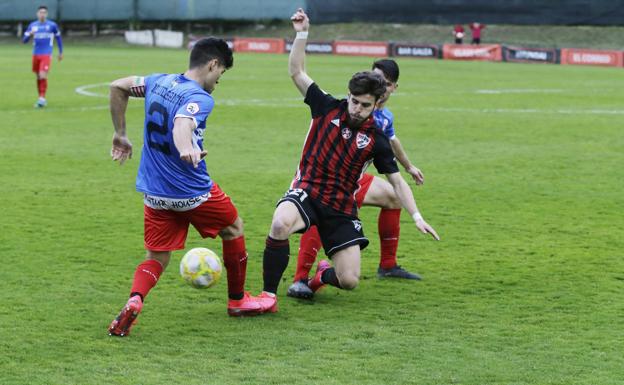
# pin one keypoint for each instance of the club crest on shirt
(192, 108)
(357, 225)
(346, 132)
(362, 140)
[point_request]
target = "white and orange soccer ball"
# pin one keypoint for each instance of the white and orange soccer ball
(201, 268)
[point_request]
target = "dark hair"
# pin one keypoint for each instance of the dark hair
(208, 49)
(389, 68)
(42, 7)
(367, 83)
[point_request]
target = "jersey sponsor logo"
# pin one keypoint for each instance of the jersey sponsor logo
(346, 133)
(185, 204)
(385, 124)
(192, 108)
(357, 225)
(362, 140)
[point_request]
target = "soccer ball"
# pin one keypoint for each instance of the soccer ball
(201, 268)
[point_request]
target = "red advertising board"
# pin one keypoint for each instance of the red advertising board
(488, 52)
(361, 48)
(259, 45)
(592, 57)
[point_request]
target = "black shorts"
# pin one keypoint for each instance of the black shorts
(337, 230)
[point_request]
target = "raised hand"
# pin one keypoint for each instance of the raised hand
(300, 21)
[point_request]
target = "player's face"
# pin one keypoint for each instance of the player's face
(42, 14)
(390, 87)
(360, 108)
(213, 72)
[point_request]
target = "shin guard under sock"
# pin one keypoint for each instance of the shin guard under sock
(235, 261)
(145, 277)
(275, 261)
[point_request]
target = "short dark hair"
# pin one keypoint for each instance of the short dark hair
(389, 67)
(208, 49)
(367, 82)
(42, 7)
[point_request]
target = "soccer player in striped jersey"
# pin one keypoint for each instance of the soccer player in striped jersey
(342, 141)
(177, 189)
(43, 32)
(372, 191)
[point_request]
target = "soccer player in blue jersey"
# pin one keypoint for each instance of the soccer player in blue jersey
(43, 32)
(342, 141)
(372, 191)
(172, 175)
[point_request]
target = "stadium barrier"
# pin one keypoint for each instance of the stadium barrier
(169, 39)
(485, 52)
(592, 57)
(530, 55)
(145, 37)
(361, 48)
(326, 47)
(427, 51)
(259, 45)
(156, 37)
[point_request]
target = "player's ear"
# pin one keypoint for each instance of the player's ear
(213, 64)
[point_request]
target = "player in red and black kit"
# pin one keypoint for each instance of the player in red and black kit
(475, 29)
(342, 141)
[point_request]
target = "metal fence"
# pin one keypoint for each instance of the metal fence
(532, 12)
(150, 10)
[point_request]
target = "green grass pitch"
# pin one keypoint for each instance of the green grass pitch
(524, 183)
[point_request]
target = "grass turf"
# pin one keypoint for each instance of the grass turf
(523, 167)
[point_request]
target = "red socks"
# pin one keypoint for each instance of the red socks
(146, 276)
(389, 229)
(42, 86)
(309, 246)
(235, 261)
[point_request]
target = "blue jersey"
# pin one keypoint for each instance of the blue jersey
(385, 121)
(161, 172)
(43, 37)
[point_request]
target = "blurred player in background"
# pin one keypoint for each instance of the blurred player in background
(43, 32)
(475, 30)
(458, 33)
(342, 141)
(172, 176)
(372, 191)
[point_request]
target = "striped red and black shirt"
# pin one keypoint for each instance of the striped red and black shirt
(335, 155)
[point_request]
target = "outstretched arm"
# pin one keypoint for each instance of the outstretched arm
(404, 193)
(296, 60)
(120, 91)
(401, 156)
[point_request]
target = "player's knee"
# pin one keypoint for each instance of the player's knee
(161, 256)
(234, 230)
(348, 280)
(392, 200)
(280, 229)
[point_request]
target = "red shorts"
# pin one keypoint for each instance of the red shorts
(41, 63)
(166, 230)
(364, 184)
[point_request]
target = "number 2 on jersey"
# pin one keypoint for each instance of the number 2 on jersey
(155, 129)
